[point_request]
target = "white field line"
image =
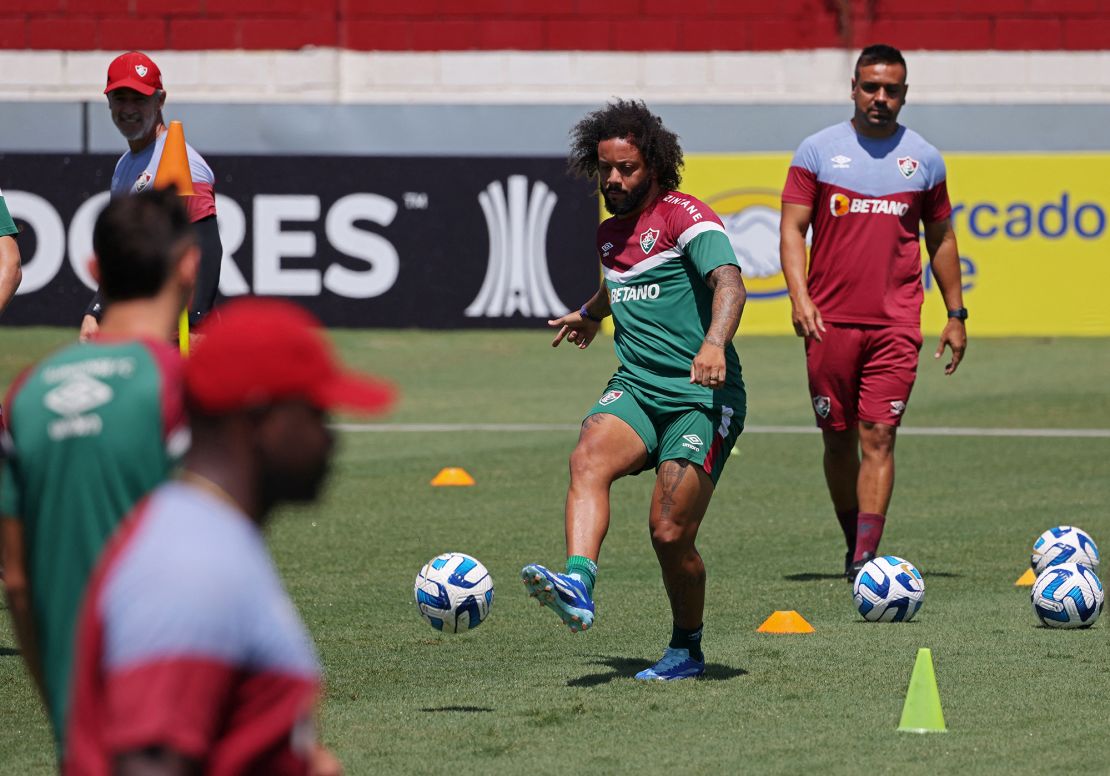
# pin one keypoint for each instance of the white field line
(439, 428)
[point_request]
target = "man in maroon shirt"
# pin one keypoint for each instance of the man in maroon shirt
(865, 186)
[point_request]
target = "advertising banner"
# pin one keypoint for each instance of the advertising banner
(361, 241)
(1031, 229)
(479, 243)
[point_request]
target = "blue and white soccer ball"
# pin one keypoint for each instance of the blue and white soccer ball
(1068, 595)
(1063, 544)
(454, 592)
(888, 589)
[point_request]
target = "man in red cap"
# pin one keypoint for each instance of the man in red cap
(135, 99)
(190, 655)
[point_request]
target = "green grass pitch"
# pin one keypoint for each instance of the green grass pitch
(523, 695)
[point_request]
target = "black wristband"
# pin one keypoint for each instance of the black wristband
(586, 314)
(959, 315)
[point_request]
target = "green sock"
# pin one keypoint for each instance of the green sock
(584, 569)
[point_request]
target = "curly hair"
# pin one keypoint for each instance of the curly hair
(627, 119)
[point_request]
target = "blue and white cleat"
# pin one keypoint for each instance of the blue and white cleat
(562, 593)
(675, 664)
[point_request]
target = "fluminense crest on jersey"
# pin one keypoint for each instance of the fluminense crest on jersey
(517, 278)
(142, 181)
(647, 239)
(907, 165)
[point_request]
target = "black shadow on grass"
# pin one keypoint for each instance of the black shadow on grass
(468, 709)
(8, 652)
(627, 667)
(810, 577)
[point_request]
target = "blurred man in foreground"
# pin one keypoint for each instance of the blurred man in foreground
(92, 429)
(191, 658)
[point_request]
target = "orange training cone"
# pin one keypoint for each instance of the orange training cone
(1028, 579)
(785, 622)
(452, 475)
(173, 167)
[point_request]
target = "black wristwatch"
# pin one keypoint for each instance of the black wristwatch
(959, 315)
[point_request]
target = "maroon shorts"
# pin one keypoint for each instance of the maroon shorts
(861, 373)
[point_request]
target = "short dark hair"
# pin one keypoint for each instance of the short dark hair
(627, 119)
(879, 54)
(138, 240)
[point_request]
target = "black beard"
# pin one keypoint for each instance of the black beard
(632, 202)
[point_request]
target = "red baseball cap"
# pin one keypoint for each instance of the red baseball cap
(134, 70)
(256, 351)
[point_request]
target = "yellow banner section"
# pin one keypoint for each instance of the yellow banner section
(1031, 228)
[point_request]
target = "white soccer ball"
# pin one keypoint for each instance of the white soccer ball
(888, 589)
(454, 592)
(1063, 544)
(1068, 595)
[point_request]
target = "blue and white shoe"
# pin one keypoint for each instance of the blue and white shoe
(563, 593)
(675, 664)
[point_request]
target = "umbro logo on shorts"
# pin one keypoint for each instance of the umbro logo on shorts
(897, 407)
(692, 441)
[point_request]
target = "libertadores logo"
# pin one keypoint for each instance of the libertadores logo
(751, 220)
(517, 279)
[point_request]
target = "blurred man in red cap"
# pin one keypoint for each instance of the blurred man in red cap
(135, 99)
(191, 658)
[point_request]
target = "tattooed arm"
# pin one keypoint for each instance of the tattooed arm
(708, 367)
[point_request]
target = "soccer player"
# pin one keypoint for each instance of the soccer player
(91, 429)
(10, 268)
(864, 186)
(135, 99)
(677, 402)
(191, 658)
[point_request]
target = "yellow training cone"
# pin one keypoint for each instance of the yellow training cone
(173, 167)
(452, 475)
(1028, 579)
(921, 712)
(183, 332)
(785, 622)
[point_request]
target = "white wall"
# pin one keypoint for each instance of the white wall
(513, 77)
